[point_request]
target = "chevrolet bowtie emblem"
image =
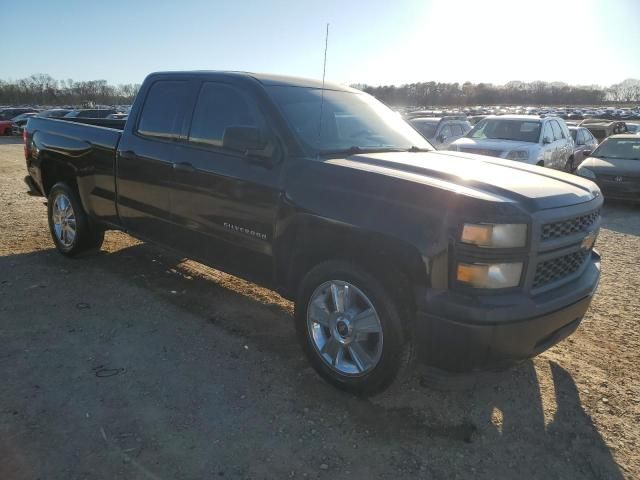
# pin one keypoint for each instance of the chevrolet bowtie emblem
(618, 179)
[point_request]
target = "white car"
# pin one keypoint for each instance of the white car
(523, 138)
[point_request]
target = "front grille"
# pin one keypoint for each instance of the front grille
(582, 223)
(482, 151)
(558, 268)
(619, 178)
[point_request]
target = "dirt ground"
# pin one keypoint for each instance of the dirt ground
(137, 364)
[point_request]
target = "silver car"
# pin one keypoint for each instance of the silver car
(543, 141)
(441, 131)
(585, 143)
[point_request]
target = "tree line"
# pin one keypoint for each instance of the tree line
(512, 93)
(42, 89)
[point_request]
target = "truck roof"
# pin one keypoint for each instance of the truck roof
(264, 78)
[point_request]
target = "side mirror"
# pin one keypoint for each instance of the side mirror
(248, 140)
(586, 153)
(546, 140)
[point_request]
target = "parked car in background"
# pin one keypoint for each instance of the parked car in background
(441, 131)
(91, 113)
(615, 167)
(633, 128)
(6, 118)
(475, 119)
(11, 113)
(6, 127)
(524, 138)
(19, 122)
(603, 128)
(54, 113)
(584, 143)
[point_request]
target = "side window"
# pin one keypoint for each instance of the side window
(557, 131)
(548, 132)
(588, 138)
(456, 130)
(164, 108)
(582, 137)
(220, 106)
(445, 131)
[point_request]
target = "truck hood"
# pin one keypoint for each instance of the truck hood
(536, 188)
(612, 166)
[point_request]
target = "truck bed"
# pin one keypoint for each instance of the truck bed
(89, 152)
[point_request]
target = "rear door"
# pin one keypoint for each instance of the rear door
(556, 156)
(217, 192)
(549, 148)
(146, 156)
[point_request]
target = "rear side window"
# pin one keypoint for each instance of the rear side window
(583, 138)
(220, 106)
(548, 132)
(164, 109)
(557, 131)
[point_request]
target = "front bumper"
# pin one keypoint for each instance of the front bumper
(457, 333)
(624, 190)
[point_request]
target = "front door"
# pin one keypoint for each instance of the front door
(217, 192)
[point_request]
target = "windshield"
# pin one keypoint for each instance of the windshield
(619, 148)
(425, 127)
(349, 121)
(502, 129)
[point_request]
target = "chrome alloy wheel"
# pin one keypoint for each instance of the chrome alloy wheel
(344, 328)
(64, 220)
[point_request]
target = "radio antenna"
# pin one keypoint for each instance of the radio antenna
(324, 71)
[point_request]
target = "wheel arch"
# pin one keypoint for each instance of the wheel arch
(314, 241)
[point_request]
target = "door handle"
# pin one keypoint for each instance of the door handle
(183, 167)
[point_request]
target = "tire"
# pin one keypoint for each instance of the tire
(69, 225)
(361, 350)
(540, 163)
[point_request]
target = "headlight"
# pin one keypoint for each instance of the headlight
(506, 235)
(518, 155)
(493, 275)
(586, 173)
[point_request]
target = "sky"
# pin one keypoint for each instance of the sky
(377, 42)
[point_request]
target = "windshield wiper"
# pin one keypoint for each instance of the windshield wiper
(354, 150)
(414, 149)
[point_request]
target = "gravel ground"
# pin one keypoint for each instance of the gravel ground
(137, 364)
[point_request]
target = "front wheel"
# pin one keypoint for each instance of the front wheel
(349, 326)
(69, 225)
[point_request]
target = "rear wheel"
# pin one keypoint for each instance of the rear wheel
(349, 327)
(69, 225)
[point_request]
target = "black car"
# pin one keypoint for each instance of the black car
(615, 167)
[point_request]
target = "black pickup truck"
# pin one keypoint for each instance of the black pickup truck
(390, 249)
